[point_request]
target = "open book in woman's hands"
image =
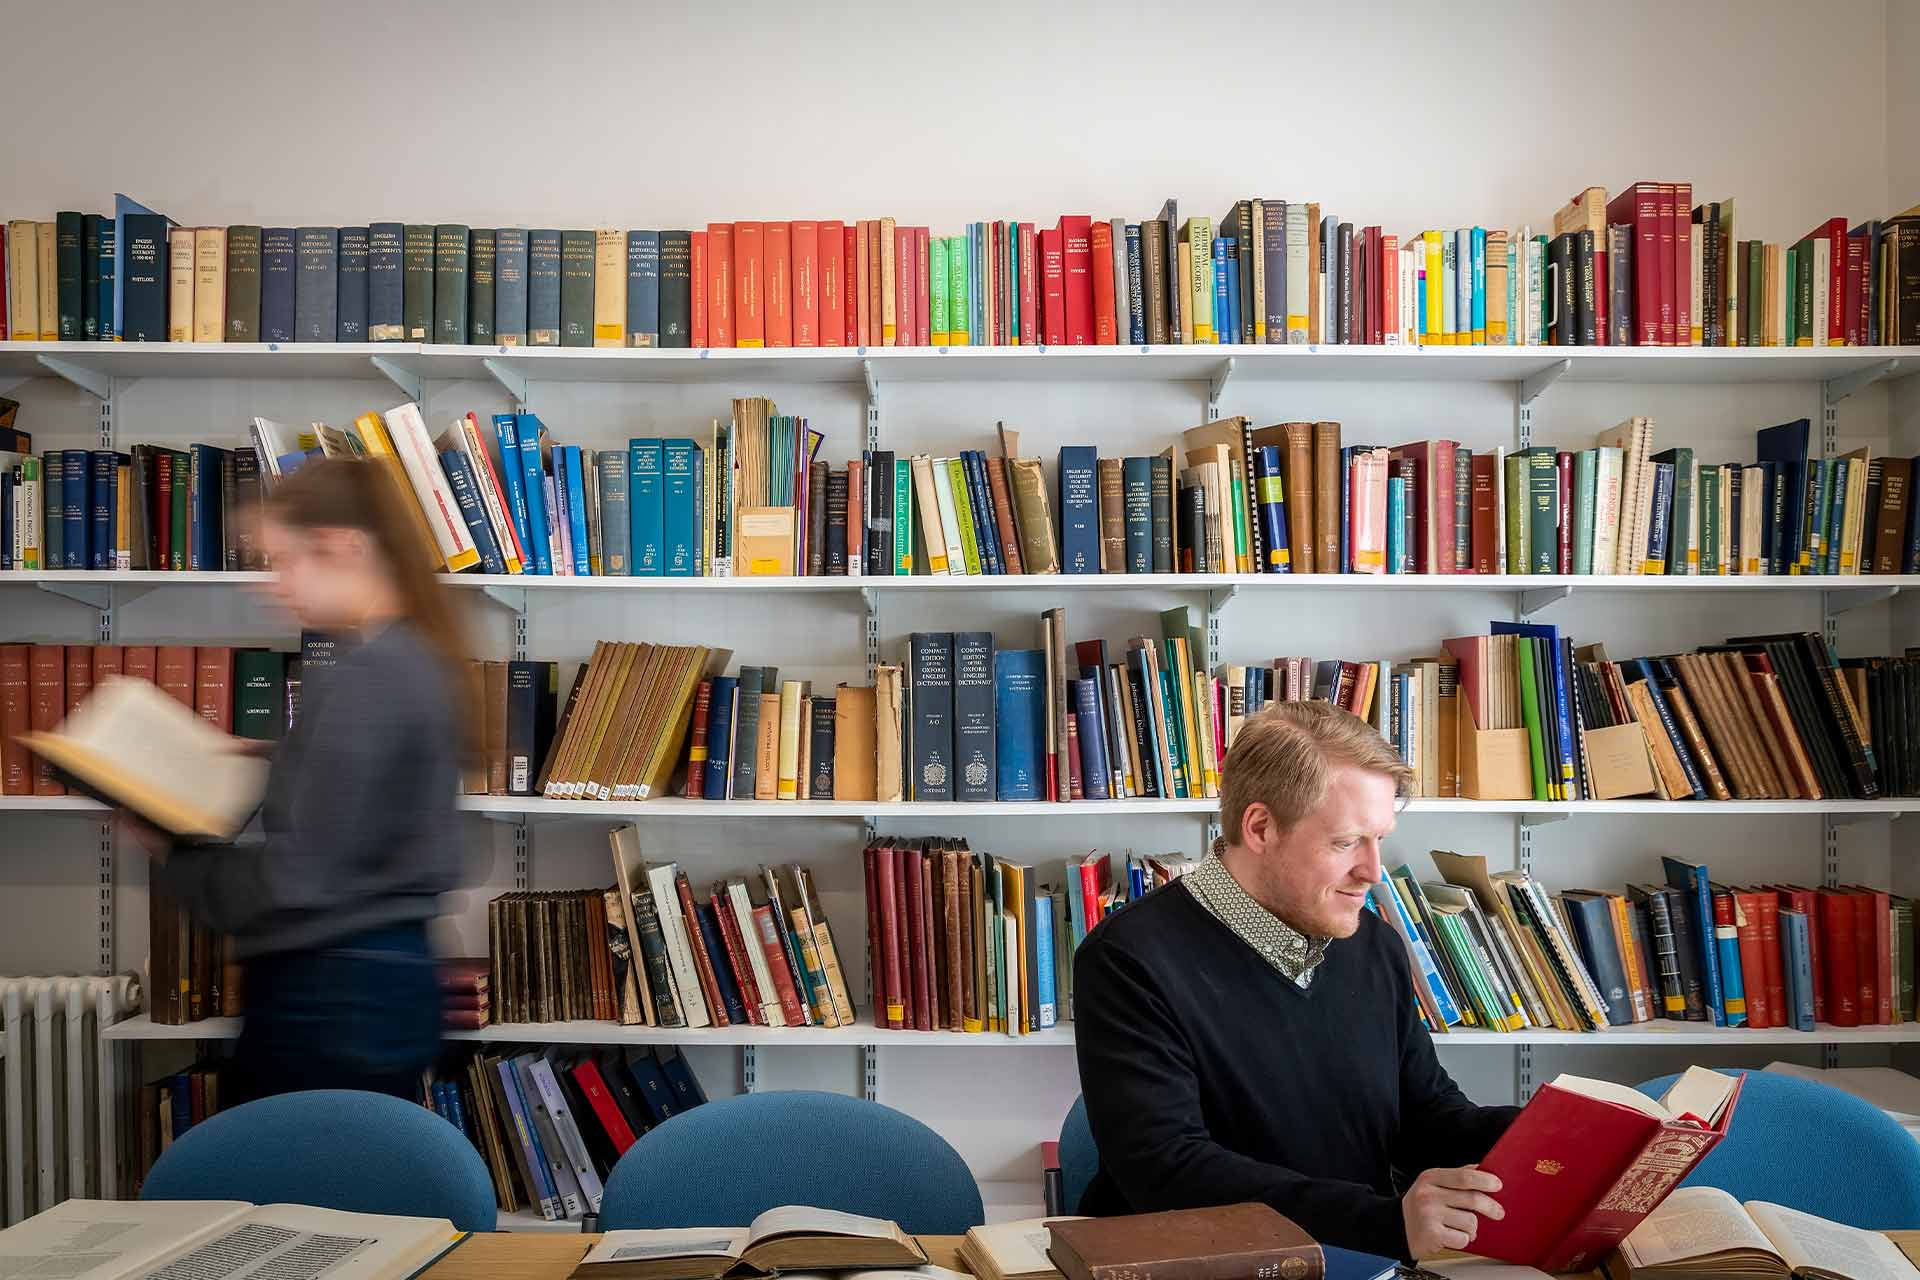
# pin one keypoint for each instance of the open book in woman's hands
(138, 748)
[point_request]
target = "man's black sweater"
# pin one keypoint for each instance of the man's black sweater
(1211, 1079)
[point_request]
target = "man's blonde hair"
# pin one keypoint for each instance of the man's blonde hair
(1284, 757)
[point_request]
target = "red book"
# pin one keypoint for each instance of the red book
(1432, 497)
(1873, 928)
(737, 957)
(1053, 283)
(1077, 259)
(904, 257)
(46, 707)
(1389, 327)
(1486, 476)
(1639, 207)
(162, 502)
(1854, 331)
(1566, 1154)
(876, 283)
(806, 284)
(212, 685)
(893, 920)
(776, 281)
(922, 299)
(1834, 232)
(463, 1019)
(1682, 263)
(79, 675)
(1839, 951)
(833, 285)
(1794, 898)
(918, 950)
(108, 660)
(720, 284)
(860, 307)
(586, 1074)
(876, 944)
(697, 282)
(1075, 789)
(697, 742)
(16, 718)
(702, 962)
(1761, 1011)
(1103, 322)
(1090, 876)
(1563, 520)
(749, 278)
(849, 313)
(856, 514)
(775, 954)
(138, 661)
(1029, 288)
(4, 276)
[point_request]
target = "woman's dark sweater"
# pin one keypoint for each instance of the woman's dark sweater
(1211, 1079)
(360, 829)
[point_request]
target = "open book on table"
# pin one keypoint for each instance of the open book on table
(1703, 1231)
(219, 1240)
(789, 1238)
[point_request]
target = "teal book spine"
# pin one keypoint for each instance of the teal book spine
(577, 512)
(1396, 525)
(1136, 479)
(533, 478)
(1836, 512)
(510, 286)
(903, 516)
(1585, 480)
(386, 320)
(1479, 252)
(90, 313)
(1047, 1011)
(515, 496)
(543, 289)
(646, 507)
(677, 508)
(615, 522)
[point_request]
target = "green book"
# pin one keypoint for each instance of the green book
(1517, 540)
(416, 281)
(1530, 716)
(1683, 550)
(182, 489)
(1803, 294)
(937, 269)
(903, 517)
(1543, 506)
(576, 288)
(1176, 729)
(259, 697)
(1586, 465)
(1709, 508)
(1755, 300)
(1460, 954)
(959, 297)
(963, 511)
(1241, 555)
(450, 283)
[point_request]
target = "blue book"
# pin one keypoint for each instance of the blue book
(510, 286)
(1136, 300)
(204, 548)
(1396, 524)
(1786, 447)
(1416, 940)
(182, 1098)
(1797, 947)
(556, 485)
(386, 297)
(1836, 513)
(526, 429)
(1045, 988)
(53, 509)
(543, 288)
(1346, 508)
(155, 268)
(930, 730)
(316, 285)
(1020, 718)
(975, 758)
(1660, 514)
(577, 512)
(78, 508)
(653, 1086)
(646, 508)
(1696, 898)
(526, 1099)
(746, 729)
(1089, 712)
(1271, 494)
(278, 256)
(1222, 302)
(678, 531)
(1235, 313)
(1563, 787)
(105, 283)
(1593, 933)
(687, 1092)
(351, 305)
(1136, 501)
(466, 494)
(610, 469)
(1079, 510)
(144, 278)
(514, 484)
(975, 492)
(643, 288)
(1478, 251)
(720, 712)
(722, 966)
(1733, 987)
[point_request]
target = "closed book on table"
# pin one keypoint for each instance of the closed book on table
(1220, 1241)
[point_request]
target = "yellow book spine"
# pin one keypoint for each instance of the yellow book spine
(609, 287)
(1436, 331)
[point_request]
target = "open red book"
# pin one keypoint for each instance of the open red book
(1588, 1159)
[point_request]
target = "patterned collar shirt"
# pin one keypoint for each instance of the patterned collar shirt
(1293, 953)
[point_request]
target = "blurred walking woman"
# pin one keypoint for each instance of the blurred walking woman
(330, 915)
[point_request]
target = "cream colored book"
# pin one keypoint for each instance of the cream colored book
(888, 687)
(408, 433)
(1823, 301)
(785, 1239)
(771, 1010)
(23, 280)
(1853, 510)
(180, 284)
(1703, 1231)
(122, 1239)
(1010, 1250)
(46, 246)
(209, 284)
(890, 320)
(673, 929)
(629, 870)
(932, 527)
(142, 750)
(793, 696)
(609, 287)
(949, 517)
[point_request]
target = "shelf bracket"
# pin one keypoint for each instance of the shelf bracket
(94, 597)
(511, 380)
(870, 1073)
(511, 598)
(1217, 386)
(1541, 818)
(1847, 818)
(1532, 602)
(1217, 598)
(1845, 599)
(749, 1070)
(1533, 385)
(873, 383)
(400, 376)
(870, 628)
(95, 383)
(1838, 389)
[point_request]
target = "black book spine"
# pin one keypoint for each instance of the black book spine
(352, 317)
(820, 775)
(523, 709)
(449, 284)
(1584, 311)
(69, 239)
(653, 950)
(1687, 952)
(1560, 281)
(416, 282)
(481, 254)
(973, 724)
(1160, 500)
(676, 289)
(143, 294)
(90, 277)
(1193, 529)
(836, 540)
(879, 513)
(930, 659)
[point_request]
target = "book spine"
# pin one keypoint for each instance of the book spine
(316, 285)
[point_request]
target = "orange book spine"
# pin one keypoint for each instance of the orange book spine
(903, 276)
(806, 284)
(697, 289)
(719, 284)
(776, 263)
(877, 284)
(749, 275)
(833, 284)
(858, 307)
(46, 708)
(79, 675)
(849, 313)
(1103, 322)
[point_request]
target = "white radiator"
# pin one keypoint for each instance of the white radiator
(66, 1095)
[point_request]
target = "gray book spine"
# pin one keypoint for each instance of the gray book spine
(482, 254)
(385, 319)
(1273, 237)
(746, 733)
(614, 532)
(510, 286)
(352, 313)
(543, 288)
(449, 284)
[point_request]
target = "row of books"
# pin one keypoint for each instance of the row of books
(1497, 951)
(192, 973)
(1646, 267)
(165, 1108)
(551, 1123)
(253, 693)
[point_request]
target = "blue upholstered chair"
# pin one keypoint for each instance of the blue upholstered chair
(335, 1148)
(1811, 1147)
(724, 1163)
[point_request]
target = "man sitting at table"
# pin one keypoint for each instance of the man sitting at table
(1250, 1032)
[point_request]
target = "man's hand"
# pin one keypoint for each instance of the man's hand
(1443, 1208)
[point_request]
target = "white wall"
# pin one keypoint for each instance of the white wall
(576, 114)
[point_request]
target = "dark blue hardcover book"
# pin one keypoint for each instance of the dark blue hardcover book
(526, 430)
(143, 293)
(820, 786)
(532, 692)
(53, 508)
(1079, 510)
(1136, 480)
(90, 228)
(69, 271)
(1591, 916)
(1786, 447)
(351, 307)
(96, 531)
(686, 1086)
(316, 284)
(1661, 517)
(676, 289)
(1089, 708)
(1773, 545)
(1273, 508)
(643, 288)
(278, 255)
(543, 288)
(182, 1098)
(678, 531)
(450, 250)
(720, 712)
(654, 1089)
(103, 302)
(1836, 514)
(1696, 898)
(1136, 288)
(1020, 721)
(709, 927)
(483, 260)
(1153, 783)
(466, 493)
(205, 546)
(646, 507)
(615, 522)
(510, 286)
(930, 685)
(985, 543)
(1798, 942)
(577, 512)
(973, 716)
(386, 293)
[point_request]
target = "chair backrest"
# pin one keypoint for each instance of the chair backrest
(1079, 1158)
(1811, 1147)
(728, 1161)
(335, 1148)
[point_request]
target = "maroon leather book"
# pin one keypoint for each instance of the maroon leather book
(737, 956)
(1563, 513)
(79, 675)
(1076, 245)
(1029, 289)
(46, 708)
(1053, 279)
(917, 949)
(696, 788)
(16, 718)
(876, 946)
(1220, 1243)
(1639, 207)
(1840, 954)
(893, 908)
